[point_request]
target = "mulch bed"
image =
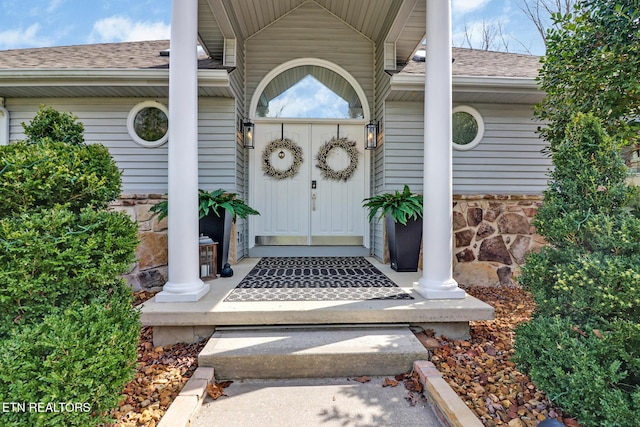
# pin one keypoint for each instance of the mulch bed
(481, 372)
(479, 369)
(160, 375)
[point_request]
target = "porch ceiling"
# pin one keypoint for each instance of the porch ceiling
(372, 18)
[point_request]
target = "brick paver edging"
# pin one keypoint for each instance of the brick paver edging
(447, 405)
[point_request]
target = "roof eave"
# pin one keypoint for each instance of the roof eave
(415, 82)
(104, 77)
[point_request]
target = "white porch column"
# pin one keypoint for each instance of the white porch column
(437, 244)
(184, 283)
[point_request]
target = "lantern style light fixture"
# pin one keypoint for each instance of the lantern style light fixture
(208, 258)
(371, 134)
(247, 134)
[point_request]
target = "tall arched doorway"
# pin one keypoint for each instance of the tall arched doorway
(309, 171)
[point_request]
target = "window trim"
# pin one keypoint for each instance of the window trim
(4, 126)
(131, 128)
(478, 118)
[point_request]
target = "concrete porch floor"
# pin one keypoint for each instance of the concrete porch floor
(190, 322)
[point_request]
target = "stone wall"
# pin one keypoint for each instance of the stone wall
(492, 235)
(151, 272)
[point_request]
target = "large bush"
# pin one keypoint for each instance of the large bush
(51, 123)
(51, 173)
(53, 257)
(78, 359)
(68, 331)
(582, 345)
(593, 373)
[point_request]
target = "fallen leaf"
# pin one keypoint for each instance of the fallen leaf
(215, 391)
(225, 384)
(363, 379)
(389, 383)
(597, 333)
(413, 398)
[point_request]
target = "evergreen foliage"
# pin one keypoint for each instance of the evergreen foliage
(53, 173)
(57, 126)
(582, 345)
(591, 65)
(68, 331)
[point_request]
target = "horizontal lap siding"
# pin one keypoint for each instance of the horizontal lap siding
(145, 169)
(309, 32)
(507, 161)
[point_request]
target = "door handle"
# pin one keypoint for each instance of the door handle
(313, 201)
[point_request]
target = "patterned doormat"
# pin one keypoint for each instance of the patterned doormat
(315, 279)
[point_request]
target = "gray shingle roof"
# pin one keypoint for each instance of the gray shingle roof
(146, 55)
(128, 55)
(483, 63)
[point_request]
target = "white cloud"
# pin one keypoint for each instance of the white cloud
(22, 37)
(54, 5)
(123, 29)
(467, 6)
(308, 99)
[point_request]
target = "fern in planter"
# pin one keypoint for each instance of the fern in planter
(217, 210)
(401, 205)
(403, 221)
(211, 202)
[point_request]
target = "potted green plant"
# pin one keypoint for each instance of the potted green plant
(403, 221)
(217, 209)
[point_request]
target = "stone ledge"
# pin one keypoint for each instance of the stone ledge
(448, 406)
(501, 197)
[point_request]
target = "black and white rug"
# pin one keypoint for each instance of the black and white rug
(315, 279)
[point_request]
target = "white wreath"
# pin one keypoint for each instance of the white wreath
(281, 144)
(323, 153)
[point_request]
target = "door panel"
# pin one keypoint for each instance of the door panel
(338, 210)
(283, 204)
(291, 212)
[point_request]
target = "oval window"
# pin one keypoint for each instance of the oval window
(467, 127)
(148, 124)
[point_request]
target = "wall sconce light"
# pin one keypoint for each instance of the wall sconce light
(247, 134)
(371, 134)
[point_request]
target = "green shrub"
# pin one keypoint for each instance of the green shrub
(582, 346)
(51, 258)
(583, 285)
(588, 180)
(82, 354)
(594, 374)
(52, 173)
(57, 126)
(68, 332)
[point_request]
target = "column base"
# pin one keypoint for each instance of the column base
(431, 289)
(193, 296)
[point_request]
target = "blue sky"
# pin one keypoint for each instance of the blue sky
(42, 23)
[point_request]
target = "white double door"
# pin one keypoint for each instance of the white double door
(308, 209)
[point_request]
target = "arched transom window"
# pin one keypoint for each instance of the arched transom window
(309, 91)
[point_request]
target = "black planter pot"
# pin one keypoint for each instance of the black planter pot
(404, 243)
(219, 229)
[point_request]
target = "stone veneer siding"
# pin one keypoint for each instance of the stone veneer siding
(492, 235)
(150, 272)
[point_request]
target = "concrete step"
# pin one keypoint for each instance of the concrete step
(311, 352)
